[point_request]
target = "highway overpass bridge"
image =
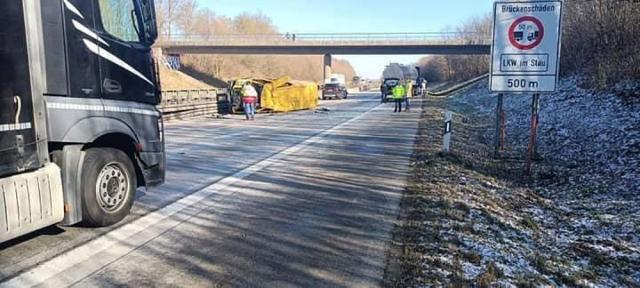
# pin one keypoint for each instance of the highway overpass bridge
(427, 43)
(436, 43)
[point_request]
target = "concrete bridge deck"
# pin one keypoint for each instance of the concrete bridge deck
(320, 44)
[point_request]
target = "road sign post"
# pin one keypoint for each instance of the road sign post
(531, 151)
(500, 127)
(525, 57)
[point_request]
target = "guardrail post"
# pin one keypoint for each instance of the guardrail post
(448, 123)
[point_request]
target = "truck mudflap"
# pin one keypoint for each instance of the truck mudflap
(30, 201)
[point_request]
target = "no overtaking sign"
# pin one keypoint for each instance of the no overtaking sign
(526, 46)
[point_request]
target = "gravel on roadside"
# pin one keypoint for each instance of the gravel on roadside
(470, 220)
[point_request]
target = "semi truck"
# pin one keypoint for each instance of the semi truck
(396, 74)
(79, 128)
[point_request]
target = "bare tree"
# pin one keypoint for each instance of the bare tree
(460, 67)
(600, 41)
(171, 14)
(205, 24)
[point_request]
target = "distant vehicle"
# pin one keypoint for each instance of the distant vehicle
(334, 91)
(79, 127)
(389, 83)
(399, 71)
(335, 87)
(396, 73)
(336, 78)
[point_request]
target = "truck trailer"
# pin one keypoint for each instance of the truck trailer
(79, 128)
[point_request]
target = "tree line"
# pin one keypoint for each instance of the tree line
(177, 18)
(600, 44)
(460, 67)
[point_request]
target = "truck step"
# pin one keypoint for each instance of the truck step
(30, 201)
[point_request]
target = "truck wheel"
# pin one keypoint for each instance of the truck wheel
(108, 186)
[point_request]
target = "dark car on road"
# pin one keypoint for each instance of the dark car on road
(334, 91)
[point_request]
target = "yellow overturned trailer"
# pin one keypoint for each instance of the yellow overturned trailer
(278, 95)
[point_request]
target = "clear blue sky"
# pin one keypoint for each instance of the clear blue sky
(333, 16)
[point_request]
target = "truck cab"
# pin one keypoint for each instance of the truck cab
(79, 130)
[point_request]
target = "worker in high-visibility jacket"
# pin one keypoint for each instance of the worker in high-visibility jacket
(409, 91)
(399, 93)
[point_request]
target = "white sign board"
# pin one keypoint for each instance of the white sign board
(526, 46)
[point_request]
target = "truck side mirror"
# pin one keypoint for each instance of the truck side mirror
(148, 12)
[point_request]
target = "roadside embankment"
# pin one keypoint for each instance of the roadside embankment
(176, 80)
(471, 220)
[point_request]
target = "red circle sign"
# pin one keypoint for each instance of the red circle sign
(526, 33)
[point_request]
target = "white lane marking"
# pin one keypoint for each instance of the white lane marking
(73, 8)
(83, 261)
(114, 59)
(88, 32)
(15, 127)
(85, 107)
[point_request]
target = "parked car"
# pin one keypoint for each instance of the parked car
(334, 91)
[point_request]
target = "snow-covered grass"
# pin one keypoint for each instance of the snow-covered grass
(469, 219)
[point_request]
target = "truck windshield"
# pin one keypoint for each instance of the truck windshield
(391, 82)
(119, 20)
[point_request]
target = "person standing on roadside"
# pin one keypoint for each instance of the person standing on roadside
(408, 94)
(249, 99)
(399, 94)
(423, 87)
(385, 91)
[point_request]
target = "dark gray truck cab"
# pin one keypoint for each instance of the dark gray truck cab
(79, 130)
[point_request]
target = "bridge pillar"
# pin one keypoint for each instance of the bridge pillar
(326, 69)
(327, 66)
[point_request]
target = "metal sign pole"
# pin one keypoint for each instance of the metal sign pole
(499, 126)
(535, 107)
(525, 58)
(503, 130)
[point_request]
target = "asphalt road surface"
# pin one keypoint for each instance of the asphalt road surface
(305, 199)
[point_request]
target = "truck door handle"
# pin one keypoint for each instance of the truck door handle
(112, 86)
(18, 101)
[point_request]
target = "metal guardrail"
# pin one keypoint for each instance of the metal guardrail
(458, 86)
(184, 104)
(302, 39)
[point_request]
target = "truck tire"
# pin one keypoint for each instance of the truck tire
(108, 186)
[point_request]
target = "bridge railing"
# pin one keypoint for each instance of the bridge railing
(461, 38)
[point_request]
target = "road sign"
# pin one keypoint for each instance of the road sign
(526, 46)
